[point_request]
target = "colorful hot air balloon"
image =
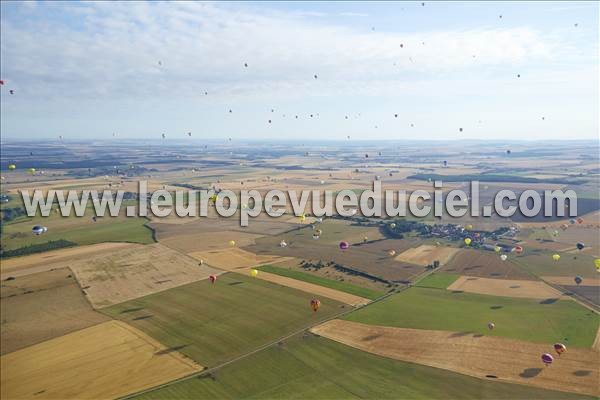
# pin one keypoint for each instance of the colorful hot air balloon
(556, 257)
(365, 239)
(578, 279)
(316, 236)
(391, 253)
(579, 220)
(282, 244)
(547, 359)
(344, 245)
(468, 241)
(597, 264)
(232, 243)
(212, 279)
(491, 325)
(503, 257)
(31, 171)
(12, 167)
(497, 249)
(559, 348)
(302, 218)
(254, 272)
(469, 227)
(315, 304)
(580, 246)
(518, 249)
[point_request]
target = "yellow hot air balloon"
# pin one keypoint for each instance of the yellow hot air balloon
(469, 227)
(597, 264)
(302, 217)
(12, 166)
(31, 171)
(556, 257)
(232, 243)
(497, 249)
(468, 241)
(213, 198)
(254, 272)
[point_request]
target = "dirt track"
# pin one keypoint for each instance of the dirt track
(501, 359)
(313, 289)
(105, 361)
(20, 266)
(505, 287)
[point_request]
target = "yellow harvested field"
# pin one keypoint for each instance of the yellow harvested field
(135, 272)
(506, 287)
(21, 266)
(312, 288)
(503, 359)
(427, 254)
(208, 240)
(231, 259)
(568, 280)
(105, 361)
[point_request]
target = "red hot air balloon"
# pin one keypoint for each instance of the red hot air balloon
(344, 245)
(547, 359)
(212, 279)
(315, 304)
(518, 249)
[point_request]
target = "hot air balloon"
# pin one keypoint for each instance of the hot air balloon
(31, 171)
(547, 359)
(11, 91)
(597, 264)
(518, 249)
(391, 253)
(468, 241)
(282, 244)
(556, 257)
(315, 304)
(344, 245)
(559, 348)
(503, 257)
(578, 279)
(316, 236)
(497, 249)
(201, 262)
(365, 239)
(254, 272)
(302, 218)
(579, 220)
(469, 227)
(316, 76)
(212, 279)
(393, 225)
(12, 167)
(94, 218)
(232, 243)
(38, 230)
(580, 246)
(491, 325)
(246, 65)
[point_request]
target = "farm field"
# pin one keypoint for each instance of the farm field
(312, 367)
(506, 287)
(545, 321)
(214, 323)
(108, 360)
(540, 262)
(233, 258)
(79, 230)
(484, 264)
(427, 254)
(438, 280)
(135, 272)
(42, 306)
(317, 280)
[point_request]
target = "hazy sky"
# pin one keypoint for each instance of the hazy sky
(88, 70)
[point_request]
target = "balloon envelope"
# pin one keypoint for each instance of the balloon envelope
(547, 358)
(344, 245)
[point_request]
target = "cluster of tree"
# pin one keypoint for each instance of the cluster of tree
(36, 248)
(8, 214)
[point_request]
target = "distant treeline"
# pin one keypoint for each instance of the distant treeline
(37, 248)
(495, 178)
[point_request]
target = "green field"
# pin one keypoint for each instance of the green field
(524, 319)
(318, 280)
(311, 367)
(540, 263)
(80, 230)
(215, 323)
(439, 280)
